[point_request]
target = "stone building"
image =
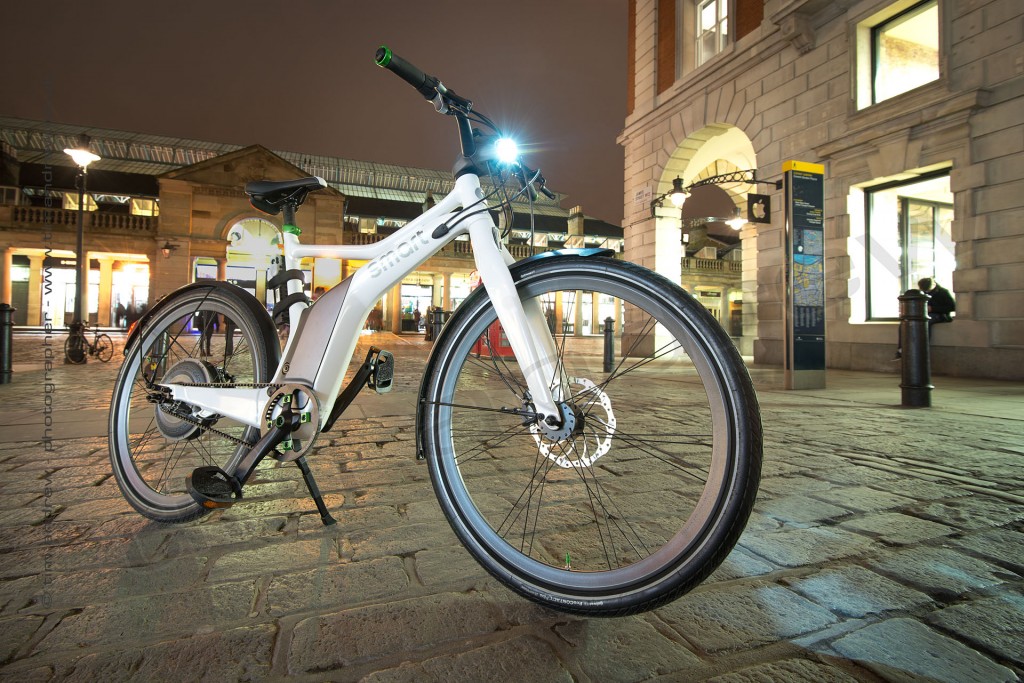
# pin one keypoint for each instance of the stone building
(162, 212)
(912, 108)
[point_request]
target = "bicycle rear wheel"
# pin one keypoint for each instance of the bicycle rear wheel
(154, 446)
(647, 486)
(104, 348)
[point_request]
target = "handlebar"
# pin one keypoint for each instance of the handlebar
(424, 84)
(447, 102)
(430, 87)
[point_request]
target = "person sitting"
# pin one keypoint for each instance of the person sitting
(941, 306)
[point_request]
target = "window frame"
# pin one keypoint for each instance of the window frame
(877, 31)
(902, 236)
(863, 54)
(724, 38)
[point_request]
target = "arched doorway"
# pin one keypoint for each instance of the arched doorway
(253, 243)
(695, 247)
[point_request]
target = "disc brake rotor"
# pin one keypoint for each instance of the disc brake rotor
(587, 432)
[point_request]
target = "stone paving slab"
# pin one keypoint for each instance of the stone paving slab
(888, 546)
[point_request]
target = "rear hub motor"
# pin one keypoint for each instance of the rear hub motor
(188, 371)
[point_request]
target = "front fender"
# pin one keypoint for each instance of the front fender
(454, 323)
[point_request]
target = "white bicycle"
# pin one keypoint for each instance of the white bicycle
(595, 483)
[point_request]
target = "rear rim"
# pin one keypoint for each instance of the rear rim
(633, 489)
(155, 451)
(104, 348)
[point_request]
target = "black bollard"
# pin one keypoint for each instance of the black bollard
(6, 349)
(609, 344)
(436, 323)
(917, 368)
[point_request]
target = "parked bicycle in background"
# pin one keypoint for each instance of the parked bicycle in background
(78, 348)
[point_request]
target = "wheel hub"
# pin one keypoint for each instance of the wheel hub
(187, 371)
(586, 431)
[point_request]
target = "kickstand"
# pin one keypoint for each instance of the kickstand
(314, 491)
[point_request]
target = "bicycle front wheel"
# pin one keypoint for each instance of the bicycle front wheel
(75, 347)
(104, 348)
(647, 485)
(155, 444)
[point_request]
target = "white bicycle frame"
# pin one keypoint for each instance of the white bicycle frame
(388, 263)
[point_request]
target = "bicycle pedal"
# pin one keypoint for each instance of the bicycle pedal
(212, 487)
(383, 374)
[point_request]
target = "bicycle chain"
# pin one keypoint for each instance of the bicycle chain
(206, 428)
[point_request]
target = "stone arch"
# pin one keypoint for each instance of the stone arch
(712, 143)
(253, 240)
(712, 150)
(228, 222)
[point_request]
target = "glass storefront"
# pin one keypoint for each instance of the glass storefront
(128, 287)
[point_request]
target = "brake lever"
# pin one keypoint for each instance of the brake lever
(536, 181)
(525, 182)
(446, 100)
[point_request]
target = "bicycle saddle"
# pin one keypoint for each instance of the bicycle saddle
(270, 195)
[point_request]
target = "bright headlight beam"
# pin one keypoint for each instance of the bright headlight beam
(506, 150)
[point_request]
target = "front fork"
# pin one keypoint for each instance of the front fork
(522, 321)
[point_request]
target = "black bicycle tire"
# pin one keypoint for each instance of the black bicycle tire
(76, 356)
(745, 458)
(246, 314)
(102, 339)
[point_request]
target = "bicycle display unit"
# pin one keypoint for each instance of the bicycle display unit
(593, 491)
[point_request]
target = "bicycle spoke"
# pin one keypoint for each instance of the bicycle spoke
(492, 442)
(506, 377)
(158, 446)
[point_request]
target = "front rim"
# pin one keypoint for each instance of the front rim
(625, 498)
(155, 451)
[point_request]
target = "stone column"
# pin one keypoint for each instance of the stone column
(558, 312)
(723, 305)
(35, 290)
(668, 241)
(106, 290)
(437, 294)
(447, 303)
(748, 240)
(222, 268)
(6, 263)
(577, 327)
(394, 309)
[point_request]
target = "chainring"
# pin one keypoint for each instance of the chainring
(295, 398)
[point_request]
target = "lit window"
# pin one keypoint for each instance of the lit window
(145, 207)
(905, 51)
(909, 238)
(71, 202)
(712, 28)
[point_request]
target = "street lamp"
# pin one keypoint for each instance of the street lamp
(677, 196)
(82, 157)
(737, 221)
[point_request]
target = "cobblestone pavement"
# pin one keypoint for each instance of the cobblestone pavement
(887, 544)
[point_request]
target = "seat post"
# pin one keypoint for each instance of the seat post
(289, 213)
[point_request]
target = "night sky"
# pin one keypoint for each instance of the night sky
(299, 76)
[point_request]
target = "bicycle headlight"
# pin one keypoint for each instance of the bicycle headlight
(506, 150)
